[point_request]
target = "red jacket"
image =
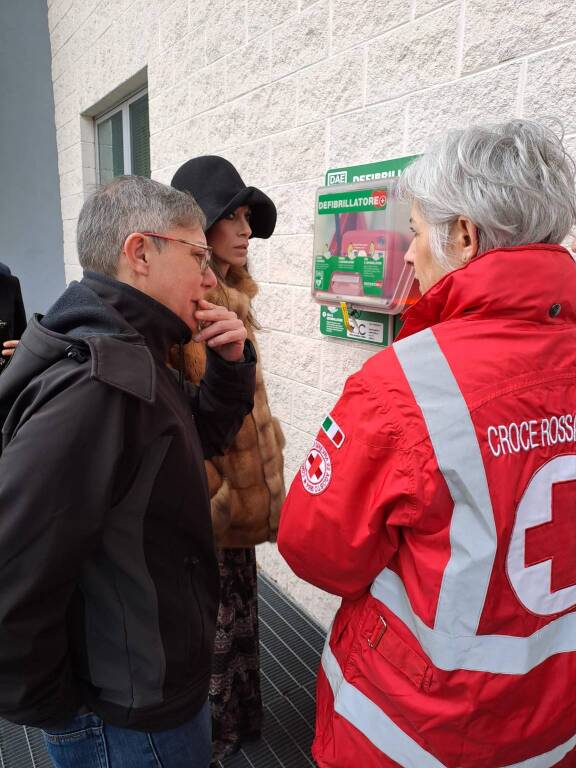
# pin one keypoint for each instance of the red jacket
(439, 500)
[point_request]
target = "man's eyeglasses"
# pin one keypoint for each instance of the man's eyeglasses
(204, 258)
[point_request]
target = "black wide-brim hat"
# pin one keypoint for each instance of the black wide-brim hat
(218, 189)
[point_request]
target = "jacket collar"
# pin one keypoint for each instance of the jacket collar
(522, 282)
(157, 324)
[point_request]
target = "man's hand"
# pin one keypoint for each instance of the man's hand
(9, 347)
(221, 329)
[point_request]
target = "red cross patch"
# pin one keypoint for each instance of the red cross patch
(316, 471)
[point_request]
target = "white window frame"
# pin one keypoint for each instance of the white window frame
(124, 107)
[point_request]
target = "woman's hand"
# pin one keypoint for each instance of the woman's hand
(221, 329)
(8, 347)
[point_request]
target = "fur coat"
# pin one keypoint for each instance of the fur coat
(247, 483)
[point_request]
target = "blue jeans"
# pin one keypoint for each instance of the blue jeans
(88, 742)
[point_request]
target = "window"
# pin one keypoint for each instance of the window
(123, 140)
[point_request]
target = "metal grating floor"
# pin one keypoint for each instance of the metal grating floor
(21, 747)
(291, 646)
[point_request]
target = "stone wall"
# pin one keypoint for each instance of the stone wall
(286, 89)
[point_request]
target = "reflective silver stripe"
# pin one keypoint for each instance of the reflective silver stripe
(472, 529)
(389, 738)
(498, 654)
(370, 720)
(547, 759)
(453, 643)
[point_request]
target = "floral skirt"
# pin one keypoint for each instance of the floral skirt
(235, 694)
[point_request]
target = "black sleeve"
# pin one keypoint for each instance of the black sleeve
(223, 399)
(19, 313)
(56, 484)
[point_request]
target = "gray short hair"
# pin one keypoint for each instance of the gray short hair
(514, 180)
(129, 204)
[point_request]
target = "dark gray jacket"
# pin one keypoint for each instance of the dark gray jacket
(109, 578)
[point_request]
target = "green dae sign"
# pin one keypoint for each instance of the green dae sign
(384, 169)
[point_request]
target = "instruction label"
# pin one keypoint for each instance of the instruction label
(369, 327)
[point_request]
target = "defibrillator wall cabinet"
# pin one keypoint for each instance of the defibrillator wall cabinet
(361, 233)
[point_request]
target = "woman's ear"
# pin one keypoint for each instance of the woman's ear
(464, 239)
(135, 252)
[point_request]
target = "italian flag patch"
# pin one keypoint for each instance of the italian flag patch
(333, 431)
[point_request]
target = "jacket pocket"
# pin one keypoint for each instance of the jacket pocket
(382, 639)
(81, 743)
(80, 728)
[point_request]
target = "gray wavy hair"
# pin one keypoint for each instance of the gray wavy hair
(513, 180)
(129, 204)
